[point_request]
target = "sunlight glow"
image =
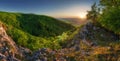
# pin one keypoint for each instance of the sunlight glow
(82, 15)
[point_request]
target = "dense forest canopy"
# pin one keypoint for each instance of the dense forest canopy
(34, 31)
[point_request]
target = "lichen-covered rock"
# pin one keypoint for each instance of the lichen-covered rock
(8, 48)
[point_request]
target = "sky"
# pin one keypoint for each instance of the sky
(55, 8)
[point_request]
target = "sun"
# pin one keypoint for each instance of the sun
(82, 15)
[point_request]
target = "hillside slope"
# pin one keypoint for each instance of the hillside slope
(37, 25)
(33, 31)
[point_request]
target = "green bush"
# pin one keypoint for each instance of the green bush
(110, 19)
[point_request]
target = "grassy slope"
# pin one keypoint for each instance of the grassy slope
(33, 31)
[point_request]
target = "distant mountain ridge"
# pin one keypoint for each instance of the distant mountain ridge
(74, 21)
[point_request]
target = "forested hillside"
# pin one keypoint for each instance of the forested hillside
(33, 31)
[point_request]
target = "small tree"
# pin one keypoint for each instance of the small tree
(93, 14)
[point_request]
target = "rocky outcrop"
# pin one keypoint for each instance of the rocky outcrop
(91, 34)
(8, 48)
(91, 37)
(9, 51)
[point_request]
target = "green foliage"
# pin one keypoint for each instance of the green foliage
(20, 37)
(107, 14)
(35, 31)
(93, 13)
(37, 25)
(110, 17)
(43, 25)
(110, 3)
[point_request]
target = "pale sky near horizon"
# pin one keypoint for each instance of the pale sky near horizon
(55, 8)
